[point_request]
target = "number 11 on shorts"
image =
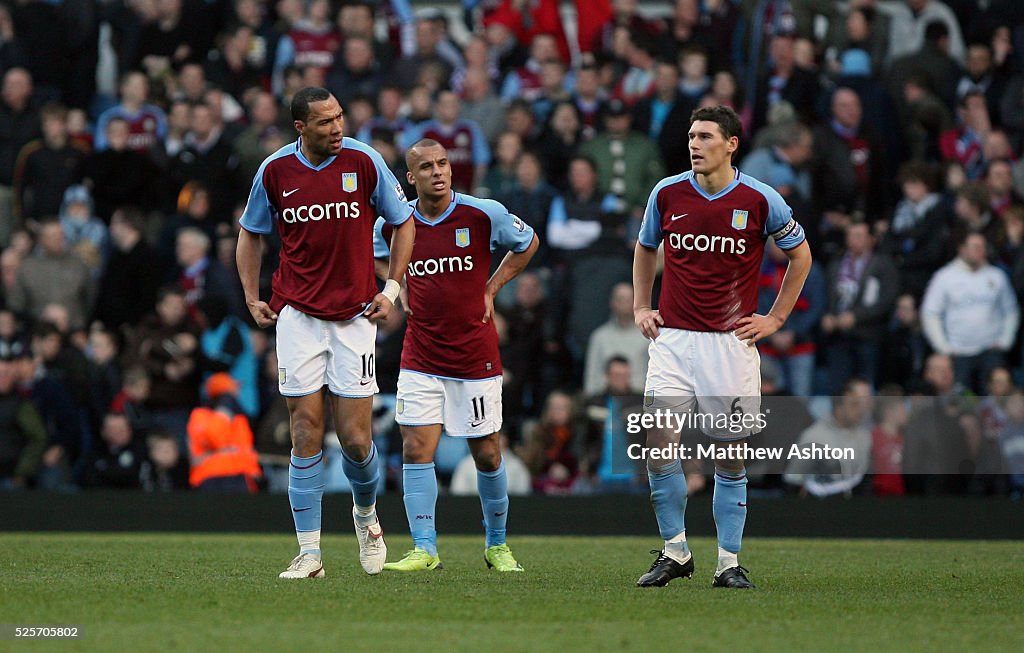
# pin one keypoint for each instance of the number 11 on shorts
(479, 411)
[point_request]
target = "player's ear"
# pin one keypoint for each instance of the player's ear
(299, 125)
(410, 178)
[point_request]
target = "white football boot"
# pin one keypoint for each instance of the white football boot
(305, 565)
(373, 551)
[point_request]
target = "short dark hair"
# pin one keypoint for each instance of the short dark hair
(583, 158)
(935, 30)
(54, 110)
(131, 216)
(642, 41)
(966, 235)
(615, 360)
(302, 99)
(726, 119)
(919, 171)
(423, 142)
(167, 290)
(43, 330)
(976, 194)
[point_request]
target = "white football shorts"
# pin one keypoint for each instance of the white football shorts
(312, 353)
(466, 408)
(714, 373)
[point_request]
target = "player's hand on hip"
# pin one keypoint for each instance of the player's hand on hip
(757, 327)
(648, 320)
(379, 308)
(488, 307)
(403, 297)
(262, 314)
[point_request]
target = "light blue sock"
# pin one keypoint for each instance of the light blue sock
(306, 492)
(493, 489)
(420, 498)
(363, 477)
(668, 495)
(730, 508)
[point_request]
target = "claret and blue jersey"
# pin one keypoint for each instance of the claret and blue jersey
(714, 245)
(324, 215)
(447, 276)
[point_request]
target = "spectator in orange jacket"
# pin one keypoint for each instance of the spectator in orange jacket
(221, 442)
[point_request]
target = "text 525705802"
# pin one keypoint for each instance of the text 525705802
(15, 631)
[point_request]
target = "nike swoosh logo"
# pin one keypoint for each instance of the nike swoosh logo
(366, 382)
(289, 192)
(300, 509)
(741, 505)
(499, 514)
(674, 217)
(473, 425)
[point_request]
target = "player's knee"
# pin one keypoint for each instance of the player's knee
(415, 452)
(488, 460)
(355, 437)
(307, 434)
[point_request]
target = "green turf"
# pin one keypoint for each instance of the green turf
(220, 593)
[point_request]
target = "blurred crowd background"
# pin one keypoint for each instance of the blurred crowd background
(130, 131)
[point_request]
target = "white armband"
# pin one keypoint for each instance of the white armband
(391, 288)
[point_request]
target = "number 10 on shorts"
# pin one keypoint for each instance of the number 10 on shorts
(367, 367)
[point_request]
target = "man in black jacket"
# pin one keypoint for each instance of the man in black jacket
(862, 287)
(134, 273)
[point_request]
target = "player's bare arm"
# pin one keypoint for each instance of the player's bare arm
(758, 327)
(248, 256)
(402, 240)
(511, 266)
(645, 266)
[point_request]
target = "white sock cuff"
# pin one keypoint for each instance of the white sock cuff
(727, 560)
(308, 540)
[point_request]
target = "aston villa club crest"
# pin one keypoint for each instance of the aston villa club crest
(349, 182)
(400, 406)
(739, 219)
(462, 237)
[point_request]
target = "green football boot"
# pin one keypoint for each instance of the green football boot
(500, 557)
(415, 560)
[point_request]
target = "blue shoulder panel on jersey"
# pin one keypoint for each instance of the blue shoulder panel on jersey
(650, 228)
(381, 247)
(507, 230)
(780, 224)
(258, 216)
(388, 197)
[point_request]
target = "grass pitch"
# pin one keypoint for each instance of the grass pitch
(162, 592)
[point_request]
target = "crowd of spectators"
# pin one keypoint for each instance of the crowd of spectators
(130, 131)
